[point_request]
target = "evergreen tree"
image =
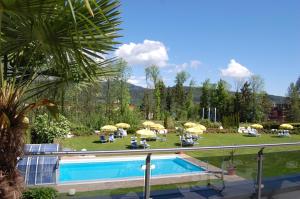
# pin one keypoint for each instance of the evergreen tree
(294, 102)
(222, 98)
(169, 100)
(266, 104)
(257, 85)
(190, 101)
(246, 113)
(123, 95)
(162, 91)
(180, 98)
(205, 96)
(152, 73)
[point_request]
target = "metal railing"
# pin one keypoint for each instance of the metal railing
(149, 152)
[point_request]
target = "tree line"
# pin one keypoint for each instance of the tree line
(109, 101)
(250, 101)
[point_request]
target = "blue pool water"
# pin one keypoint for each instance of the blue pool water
(88, 171)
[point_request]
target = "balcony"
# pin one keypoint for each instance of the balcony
(241, 171)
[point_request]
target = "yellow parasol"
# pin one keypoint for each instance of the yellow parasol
(146, 133)
(157, 127)
(148, 123)
(190, 124)
(257, 126)
(195, 130)
(108, 128)
(286, 126)
(202, 127)
(123, 125)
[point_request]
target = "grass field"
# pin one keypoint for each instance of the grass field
(212, 139)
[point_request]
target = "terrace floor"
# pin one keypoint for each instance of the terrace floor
(274, 188)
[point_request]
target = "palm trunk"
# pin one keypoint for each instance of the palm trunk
(11, 148)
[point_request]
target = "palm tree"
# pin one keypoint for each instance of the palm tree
(53, 42)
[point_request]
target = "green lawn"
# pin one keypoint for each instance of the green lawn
(212, 139)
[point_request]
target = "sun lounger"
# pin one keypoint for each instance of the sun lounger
(284, 133)
(144, 144)
(134, 144)
(253, 133)
(102, 139)
(111, 138)
(186, 142)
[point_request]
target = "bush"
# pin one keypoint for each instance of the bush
(80, 130)
(271, 125)
(131, 117)
(46, 129)
(209, 124)
(169, 122)
(231, 121)
(40, 193)
(223, 131)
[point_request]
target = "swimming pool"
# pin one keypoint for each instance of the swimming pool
(125, 168)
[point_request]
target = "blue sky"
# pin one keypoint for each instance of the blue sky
(214, 39)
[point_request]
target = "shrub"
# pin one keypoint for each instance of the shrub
(209, 124)
(79, 129)
(131, 117)
(271, 125)
(222, 131)
(40, 193)
(46, 129)
(169, 122)
(231, 121)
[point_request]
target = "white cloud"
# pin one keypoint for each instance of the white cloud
(195, 63)
(175, 68)
(145, 54)
(139, 81)
(236, 70)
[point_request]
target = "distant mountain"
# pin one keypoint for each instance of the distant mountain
(137, 94)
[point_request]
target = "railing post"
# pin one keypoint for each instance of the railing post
(259, 172)
(147, 177)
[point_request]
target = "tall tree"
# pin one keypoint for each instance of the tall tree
(152, 74)
(257, 86)
(298, 84)
(205, 96)
(246, 109)
(222, 94)
(294, 102)
(266, 104)
(189, 104)
(123, 94)
(180, 98)
(169, 100)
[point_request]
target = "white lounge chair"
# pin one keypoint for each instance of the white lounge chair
(253, 133)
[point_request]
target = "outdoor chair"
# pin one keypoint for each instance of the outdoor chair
(102, 139)
(284, 133)
(134, 144)
(253, 133)
(144, 144)
(186, 142)
(124, 133)
(111, 138)
(118, 134)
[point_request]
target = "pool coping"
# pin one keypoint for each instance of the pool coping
(214, 173)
